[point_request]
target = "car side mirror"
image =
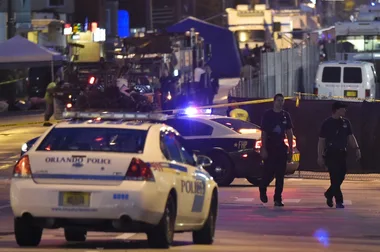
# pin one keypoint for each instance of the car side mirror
(203, 161)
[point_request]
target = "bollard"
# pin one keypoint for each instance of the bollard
(59, 107)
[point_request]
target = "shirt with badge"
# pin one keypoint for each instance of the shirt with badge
(336, 131)
(275, 124)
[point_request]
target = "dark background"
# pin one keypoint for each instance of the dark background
(307, 119)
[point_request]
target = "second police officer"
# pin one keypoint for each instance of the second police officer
(276, 123)
(335, 133)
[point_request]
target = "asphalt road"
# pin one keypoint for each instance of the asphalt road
(244, 223)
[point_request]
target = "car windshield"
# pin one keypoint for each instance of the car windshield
(238, 126)
(94, 139)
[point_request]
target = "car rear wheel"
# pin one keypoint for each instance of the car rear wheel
(26, 234)
(256, 181)
(161, 236)
(207, 233)
(75, 235)
(221, 169)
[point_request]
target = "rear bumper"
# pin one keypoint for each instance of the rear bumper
(132, 201)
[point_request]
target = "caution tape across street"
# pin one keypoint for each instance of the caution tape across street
(11, 81)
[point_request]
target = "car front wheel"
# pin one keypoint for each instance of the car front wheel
(161, 236)
(257, 181)
(221, 169)
(207, 233)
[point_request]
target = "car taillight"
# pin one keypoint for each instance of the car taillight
(22, 168)
(315, 91)
(258, 144)
(287, 144)
(138, 170)
(367, 93)
(91, 80)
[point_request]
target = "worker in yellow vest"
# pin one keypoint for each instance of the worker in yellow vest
(239, 113)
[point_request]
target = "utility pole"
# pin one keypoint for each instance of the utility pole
(11, 20)
(149, 14)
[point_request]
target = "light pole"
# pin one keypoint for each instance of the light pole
(149, 14)
(11, 20)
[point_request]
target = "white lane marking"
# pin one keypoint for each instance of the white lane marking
(294, 179)
(291, 200)
(124, 236)
(5, 206)
(347, 202)
(6, 166)
(244, 199)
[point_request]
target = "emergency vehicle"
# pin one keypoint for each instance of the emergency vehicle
(148, 56)
(233, 144)
(113, 172)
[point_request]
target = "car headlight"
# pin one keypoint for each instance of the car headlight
(24, 147)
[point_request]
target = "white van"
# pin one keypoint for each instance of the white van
(346, 80)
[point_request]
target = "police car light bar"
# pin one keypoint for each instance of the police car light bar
(115, 115)
(195, 111)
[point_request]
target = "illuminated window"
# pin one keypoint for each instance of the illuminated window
(55, 3)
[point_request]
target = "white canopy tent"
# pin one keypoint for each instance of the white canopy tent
(19, 52)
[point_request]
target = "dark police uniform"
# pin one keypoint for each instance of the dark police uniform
(275, 124)
(335, 131)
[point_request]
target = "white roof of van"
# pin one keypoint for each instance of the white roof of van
(345, 62)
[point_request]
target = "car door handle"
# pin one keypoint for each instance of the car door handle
(178, 172)
(194, 174)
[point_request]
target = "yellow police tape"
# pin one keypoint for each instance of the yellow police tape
(11, 81)
(172, 110)
(297, 97)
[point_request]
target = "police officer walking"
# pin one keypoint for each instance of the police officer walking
(335, 133)
(276, 123)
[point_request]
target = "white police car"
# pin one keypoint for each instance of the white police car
(232, 144)
(113, 172)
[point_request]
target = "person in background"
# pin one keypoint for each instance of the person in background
(238, 112)
(335, 133)
(49, 100)
(276, 124)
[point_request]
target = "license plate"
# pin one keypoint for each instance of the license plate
(351, 93)
(296, 157)
(77, 199)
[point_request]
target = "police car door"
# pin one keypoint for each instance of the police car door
(194, 185)
(184, 179)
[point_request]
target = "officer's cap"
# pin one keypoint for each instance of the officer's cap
(338, 105)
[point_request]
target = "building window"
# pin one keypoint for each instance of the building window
(56, 3)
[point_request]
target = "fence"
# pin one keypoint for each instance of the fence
(288, 71)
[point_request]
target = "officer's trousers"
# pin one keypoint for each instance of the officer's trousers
(275, 167)
(336, 164)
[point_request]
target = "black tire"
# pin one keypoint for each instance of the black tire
(207, 233)
(256, 181)
(221, 161)
(75, 235)
(26, 234)
(161, 236)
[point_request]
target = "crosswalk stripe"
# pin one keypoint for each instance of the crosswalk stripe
(291, 200)
(244, 199)
(124, 236)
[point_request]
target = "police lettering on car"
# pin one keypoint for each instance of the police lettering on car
(276, 123)
(335, 133)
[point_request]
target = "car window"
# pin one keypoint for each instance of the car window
(331, 74)
(188, 127)
(170, 147)
(352, 75)
(186, 152)
(94, 139)
(237, 125)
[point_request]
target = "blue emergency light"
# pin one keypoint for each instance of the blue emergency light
(190, 111)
